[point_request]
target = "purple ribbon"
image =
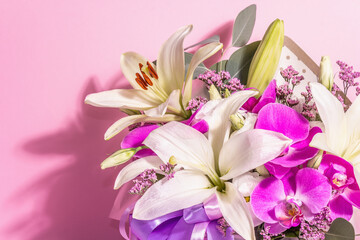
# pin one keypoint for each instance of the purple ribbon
(193, 223)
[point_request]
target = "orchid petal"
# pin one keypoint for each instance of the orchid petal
(133, 169)
(136, 137)
(190, 148)
(332, 114)
(235, 211)
(162, 108)
(122, 98)
(200, 55)
(129, 63)
(340, 208)
(249, 150)
(124, 122)
(219, 128)
(170, 63)
(186, 189)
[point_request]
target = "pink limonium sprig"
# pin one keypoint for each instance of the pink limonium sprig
(196, 103)
(284, 92)
(309, 110)
(221, 81)
(315, 229)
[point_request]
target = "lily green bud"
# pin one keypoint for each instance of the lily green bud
(227, 93)
(119, 157)
(267, 56)
(315, 162)
(214, 93)
(130, 111)
(237, 121)
(172, 160)
(326, 73)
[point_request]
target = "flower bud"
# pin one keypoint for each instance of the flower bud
(326, 73)
(214, 93)
(119, 157)
(266, 58)
(237, 121)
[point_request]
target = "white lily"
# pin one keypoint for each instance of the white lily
(342, 130)
(160, 91)
(208, 165)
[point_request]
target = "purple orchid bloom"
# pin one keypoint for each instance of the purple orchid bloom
(282, 203)
(136, 137)
(269, 96)
(345, 189)
(280, 118)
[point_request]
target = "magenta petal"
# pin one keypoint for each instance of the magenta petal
(265, 197)
(352, 196)
(269, 96)
(137, 136)
(312, 189)
(250, 104)
(202, 126)
(340, 208)
(305, 143)
(280, 118)
(276, 170)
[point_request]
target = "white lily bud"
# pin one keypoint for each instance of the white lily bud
(214, 93)
(119, 157)
(326, 73)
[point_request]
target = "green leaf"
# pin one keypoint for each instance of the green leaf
(239, 62)
(199, 69)
(219, 66)
(340, 229)
(243, 26)
(214, 38)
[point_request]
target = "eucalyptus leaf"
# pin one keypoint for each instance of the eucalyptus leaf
(340, 229)
(239, 62)
(219, 66)
(200, 69)
(214, 38)
(243, 26)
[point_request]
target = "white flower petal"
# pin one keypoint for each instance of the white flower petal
(200, 55)
(133, 169)
(235, 211)
(218, 117)
(170, 63)
(353, 119)
(186, 189)
(249, 150)
(122, 98)
(190, 148)
(319, 141)
(332, 115)
(162, 108)
(246, 182)
(129, 63)
(124, 122)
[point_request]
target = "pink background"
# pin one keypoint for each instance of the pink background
(53, 53)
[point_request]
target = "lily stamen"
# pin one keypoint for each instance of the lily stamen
(141, 81)
(147, 79)
(152, 72)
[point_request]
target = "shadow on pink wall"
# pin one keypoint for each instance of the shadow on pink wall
(79, 196)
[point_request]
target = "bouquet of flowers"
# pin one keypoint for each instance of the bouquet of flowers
(271, 151)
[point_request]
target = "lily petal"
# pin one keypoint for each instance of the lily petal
(186, 189)
(235, 211)
(319, 141)
(129, 63)
(200, 55)
(122, 98)
(124, 122)
(190, 148)
(332, 114)
(353, 118)
(219, 128)
(170, 63)
(162, 108)
(249, 150)
(133, 169)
